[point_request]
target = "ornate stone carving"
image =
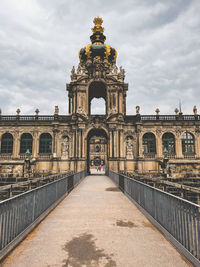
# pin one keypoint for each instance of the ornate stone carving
(158, 132)
(178, 132)
(129, 147)
(65, 148)
(81, 111)
(115, 69)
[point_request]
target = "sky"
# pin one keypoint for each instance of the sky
(158, 44)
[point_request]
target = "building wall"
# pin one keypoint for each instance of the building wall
(125, 146)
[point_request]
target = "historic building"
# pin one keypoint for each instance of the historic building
(80, 140)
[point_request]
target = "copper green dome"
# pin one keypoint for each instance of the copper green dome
(98, 48)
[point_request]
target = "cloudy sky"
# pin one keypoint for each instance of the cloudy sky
(158, 44)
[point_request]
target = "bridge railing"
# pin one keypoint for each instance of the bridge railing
(20, 214)
(177, 218)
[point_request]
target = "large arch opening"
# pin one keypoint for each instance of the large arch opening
(97, 151)
(97, 90)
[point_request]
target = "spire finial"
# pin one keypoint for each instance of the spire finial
(97, 22)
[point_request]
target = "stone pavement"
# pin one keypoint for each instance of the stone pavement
(96, 225)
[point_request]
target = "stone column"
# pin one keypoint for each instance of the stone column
(197, 144)
(159, 145)
(73, 103)
(76, 102)
(124, 103)
(81, 143)
(74, 144)
(116, 153)
(117, 101)
(70, 104)
(140, 144)
(121, 144)
(55, 131)
(35, 148)
(120, 102)
(110, 145)
(178, 146)
(78, 144)
(16, 145)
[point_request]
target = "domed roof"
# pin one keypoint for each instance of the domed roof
(98, 48)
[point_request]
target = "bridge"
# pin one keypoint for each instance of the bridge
(107, 221)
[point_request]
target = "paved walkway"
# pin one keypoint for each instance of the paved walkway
(96, 225)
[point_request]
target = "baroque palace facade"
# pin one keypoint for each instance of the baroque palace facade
(80, 140)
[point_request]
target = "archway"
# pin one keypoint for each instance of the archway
(97, 90)
(97, 106)
(97, 151)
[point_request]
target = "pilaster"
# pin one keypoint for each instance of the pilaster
(178, 146)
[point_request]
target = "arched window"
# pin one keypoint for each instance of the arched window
(45, 144)
(149, 143)
(168, 143)
(188, 143)
(26, 143)
(7, 143)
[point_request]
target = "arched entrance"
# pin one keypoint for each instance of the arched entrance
(97, 151)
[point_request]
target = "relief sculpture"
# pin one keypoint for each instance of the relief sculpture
(65, 148)
(129, 147)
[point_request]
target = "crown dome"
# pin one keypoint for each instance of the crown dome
(98, 48)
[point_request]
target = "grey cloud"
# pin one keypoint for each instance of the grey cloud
(157, 41)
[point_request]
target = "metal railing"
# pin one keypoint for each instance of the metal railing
(19, 214)
(179, 219)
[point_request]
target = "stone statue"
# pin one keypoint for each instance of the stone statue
(157, 111)
(137, 109)
(79, 70)
(176, 111)
(129, 147)
(121, 74)
(56, 112)
(73, 73)
(65, 148)
(195, 110)
(115, 69)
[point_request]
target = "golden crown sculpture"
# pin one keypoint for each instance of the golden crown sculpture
(97, 22)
